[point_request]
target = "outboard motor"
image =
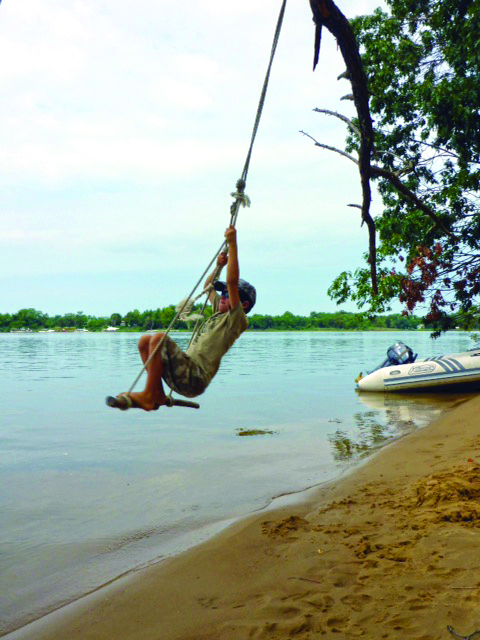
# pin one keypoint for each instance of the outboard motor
(399, 353)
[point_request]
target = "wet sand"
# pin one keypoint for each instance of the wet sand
(390, 551)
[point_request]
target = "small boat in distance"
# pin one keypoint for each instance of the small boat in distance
(402, 371)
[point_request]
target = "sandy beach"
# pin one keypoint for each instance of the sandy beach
(390, 551)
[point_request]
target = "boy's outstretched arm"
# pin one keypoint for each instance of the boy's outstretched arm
(233, 269)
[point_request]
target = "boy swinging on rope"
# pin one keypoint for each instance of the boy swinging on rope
(189, 373)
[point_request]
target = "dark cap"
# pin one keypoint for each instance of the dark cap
(246, 291)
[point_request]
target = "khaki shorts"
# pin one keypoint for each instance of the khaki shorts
(180, 372)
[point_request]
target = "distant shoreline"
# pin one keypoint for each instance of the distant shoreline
(32, 320)
(285, 330)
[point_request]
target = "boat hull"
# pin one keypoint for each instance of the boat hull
(460, 371)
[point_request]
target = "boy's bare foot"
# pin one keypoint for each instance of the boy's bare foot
(146, 402)
(134, 400)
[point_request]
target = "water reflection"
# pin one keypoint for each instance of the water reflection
(416, 409)
(390, 416)
(371, 433)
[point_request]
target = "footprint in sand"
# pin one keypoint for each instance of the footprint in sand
(336, 624)
(208, 603)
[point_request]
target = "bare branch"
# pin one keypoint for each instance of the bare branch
(326, 146)
(341, 117)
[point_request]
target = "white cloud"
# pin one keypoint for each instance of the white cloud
(124, 130)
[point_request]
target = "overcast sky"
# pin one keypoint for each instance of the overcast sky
(124, 127)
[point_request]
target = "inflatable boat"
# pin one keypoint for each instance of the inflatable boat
(403, 371)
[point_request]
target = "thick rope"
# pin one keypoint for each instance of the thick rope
(240, 199)
(264, 89)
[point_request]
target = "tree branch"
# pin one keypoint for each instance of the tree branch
(326, 146)
(391, 176)
(341, 117)
(327, 14)
(357, 132)
(405, 191)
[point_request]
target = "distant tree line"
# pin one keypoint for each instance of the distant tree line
(339, 320)
(133, 320)
(33, 320)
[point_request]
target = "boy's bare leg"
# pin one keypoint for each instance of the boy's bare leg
(144, 347)
(153, 396)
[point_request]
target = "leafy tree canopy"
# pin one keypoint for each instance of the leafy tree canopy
(422, 63)
(33, 320)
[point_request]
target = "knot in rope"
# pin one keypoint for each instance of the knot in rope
(240, 196)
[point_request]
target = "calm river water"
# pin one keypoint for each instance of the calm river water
(88, 493)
